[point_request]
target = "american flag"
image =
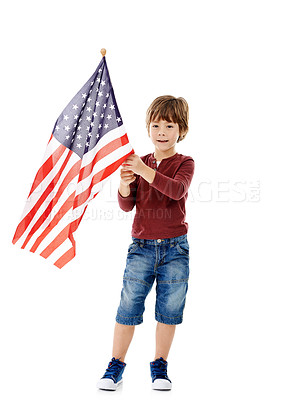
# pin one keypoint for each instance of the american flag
(88, 143)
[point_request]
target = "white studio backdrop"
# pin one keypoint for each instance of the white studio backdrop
(226, 58)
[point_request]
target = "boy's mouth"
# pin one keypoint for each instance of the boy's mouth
(162, 141)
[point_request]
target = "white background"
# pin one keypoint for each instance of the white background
(227, 59)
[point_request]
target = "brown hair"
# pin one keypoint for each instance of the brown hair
(170, 109)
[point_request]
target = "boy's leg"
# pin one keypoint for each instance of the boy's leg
(123, 335)
(164, 338)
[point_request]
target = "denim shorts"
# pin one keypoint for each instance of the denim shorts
(163, 260)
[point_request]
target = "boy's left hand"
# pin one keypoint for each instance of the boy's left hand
(134, 163)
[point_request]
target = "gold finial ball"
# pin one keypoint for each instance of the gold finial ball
(103, 52)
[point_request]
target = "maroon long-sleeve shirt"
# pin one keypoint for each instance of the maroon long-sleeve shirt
(160, 205)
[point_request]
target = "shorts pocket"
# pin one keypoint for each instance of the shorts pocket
(183, 247)
(132, 247)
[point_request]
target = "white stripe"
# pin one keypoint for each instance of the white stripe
(109, 137)
(51, 146)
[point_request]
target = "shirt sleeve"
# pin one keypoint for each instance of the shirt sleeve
(128, 203)
(176, 187)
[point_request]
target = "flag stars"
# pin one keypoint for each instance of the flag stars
(67, 137)
(89, 109)
(102, 115)
(118, 119)
(112, 107)
(88, 118)
(100, 94)
(107, 95)
(74, 107)
(79, 137)
(109, 116)
(98, 79)
(57, 128)
(94, 114)
(65, 117)
(67, 128)
(79, 145)
(103, 83)
(97, 135)
(76, 116)
(97, 104)
(106, 126)
(84, 95)
(105, 105)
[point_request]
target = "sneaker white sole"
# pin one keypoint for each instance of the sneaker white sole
(108, 384)
(161, 384)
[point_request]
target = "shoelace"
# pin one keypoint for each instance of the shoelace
(159, 368)
(114, 368)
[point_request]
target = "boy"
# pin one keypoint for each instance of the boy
(158, 185)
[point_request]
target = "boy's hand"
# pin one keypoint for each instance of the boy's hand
(135, 164)
(127, 177)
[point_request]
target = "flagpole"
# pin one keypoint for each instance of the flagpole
(103, 52)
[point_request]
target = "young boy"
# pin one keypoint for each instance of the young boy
(157, 184)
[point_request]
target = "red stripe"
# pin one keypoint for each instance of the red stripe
(103, 174)
(105, 151)
(47, 167)
(65, 258)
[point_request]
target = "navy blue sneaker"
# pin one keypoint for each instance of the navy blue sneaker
(158, 370)
(113, 375)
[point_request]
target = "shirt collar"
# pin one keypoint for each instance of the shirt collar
(168, 158)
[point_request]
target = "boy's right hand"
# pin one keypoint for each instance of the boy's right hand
(127, 177)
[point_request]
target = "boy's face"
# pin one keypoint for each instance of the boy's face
(163, 134)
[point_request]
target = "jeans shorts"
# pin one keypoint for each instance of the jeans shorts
(163, 260)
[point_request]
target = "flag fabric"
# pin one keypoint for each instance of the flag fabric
(88, 143)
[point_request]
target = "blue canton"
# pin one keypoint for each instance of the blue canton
(91, 114)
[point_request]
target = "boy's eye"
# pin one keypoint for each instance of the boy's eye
(168, 126)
